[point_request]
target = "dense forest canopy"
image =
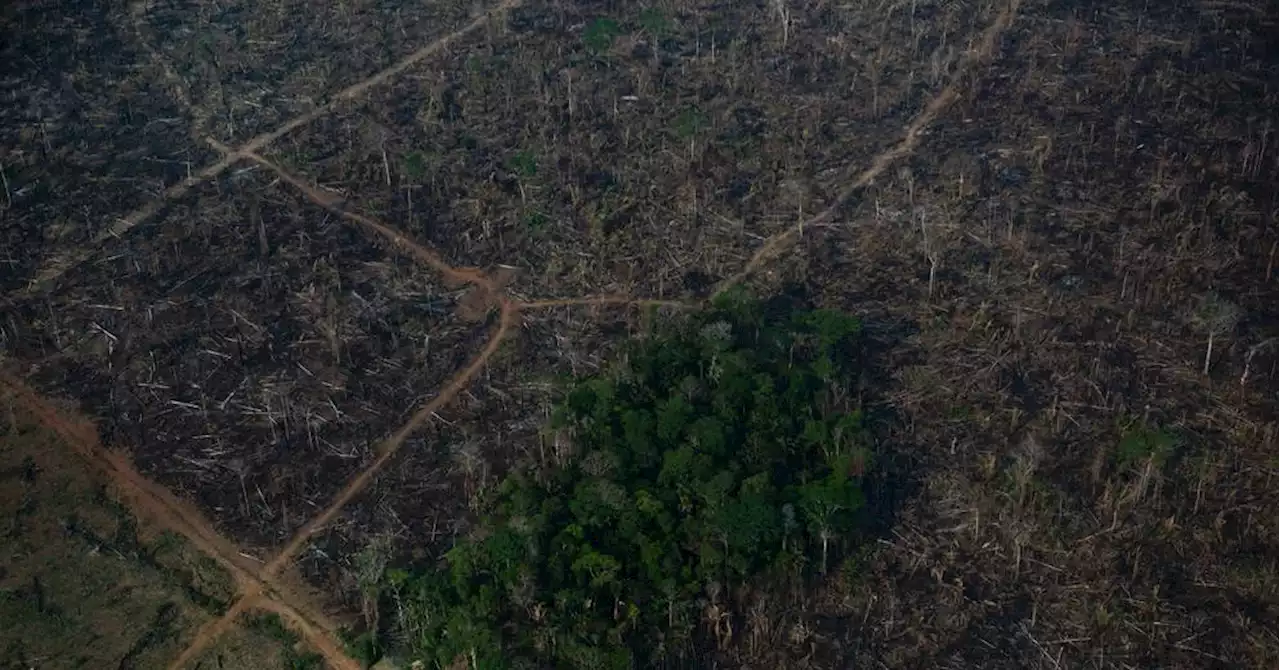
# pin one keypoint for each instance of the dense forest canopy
(717, 450)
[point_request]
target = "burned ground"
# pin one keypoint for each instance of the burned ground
(1059, 231)
(1064, 240)
(248, 67)
(88, 132)
(647, 157)
(250, 351)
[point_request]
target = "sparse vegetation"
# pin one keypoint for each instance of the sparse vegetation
(535, 222)
(714, 452)
(524, 164)
(654, 22)
(1141, 444)
(600, 33)
(415, 166)
(269, 626)
(688, 124)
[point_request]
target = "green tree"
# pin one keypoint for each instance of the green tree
(720, 448)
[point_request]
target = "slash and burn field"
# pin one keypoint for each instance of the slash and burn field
(642, 152)
(252, 367)
(349, 342)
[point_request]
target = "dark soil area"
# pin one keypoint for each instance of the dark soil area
(632, 152)
(1060, 248)
(88, 131)
(247, 67)
(251, 352)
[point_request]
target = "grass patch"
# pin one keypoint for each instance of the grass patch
(82, 585)
(599, 35)
(1141, 443)
(654, 22)
(270, 626)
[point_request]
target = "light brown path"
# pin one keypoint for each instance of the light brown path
(159, 508)
(507, 319)
(259, 586)
(210, 632)
(426, 256)
(59, 266)
(979, 55)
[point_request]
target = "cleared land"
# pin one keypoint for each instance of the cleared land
(84, 583)
(252, 365)
(301, 265)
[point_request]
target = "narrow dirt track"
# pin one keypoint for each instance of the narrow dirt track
(213, 630)
(388, 449)
(428, 257)
(148, 500)
(56, 268)
(159, 508)
(779, 242)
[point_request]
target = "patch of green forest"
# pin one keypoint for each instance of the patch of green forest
(720, 449)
